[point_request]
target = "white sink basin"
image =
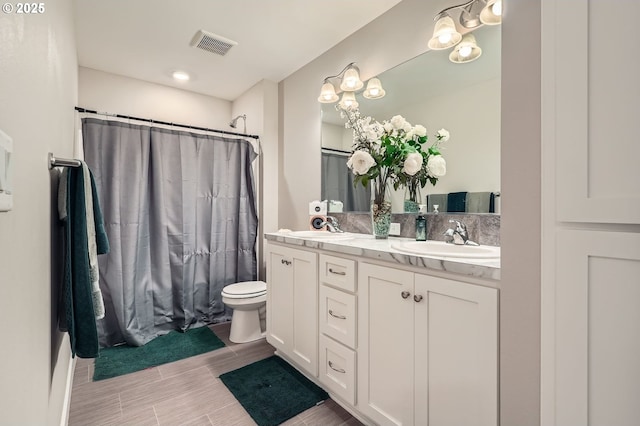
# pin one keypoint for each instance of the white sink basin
(442, 249)
(322, 235)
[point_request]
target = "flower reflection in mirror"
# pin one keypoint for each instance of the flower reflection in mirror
(392, 153)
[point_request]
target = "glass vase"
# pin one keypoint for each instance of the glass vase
(380, 211)
(412, 199)
(381, 218)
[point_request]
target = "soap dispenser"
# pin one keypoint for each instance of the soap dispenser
(421, 224)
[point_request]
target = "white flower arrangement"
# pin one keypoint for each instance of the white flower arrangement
(393, 152)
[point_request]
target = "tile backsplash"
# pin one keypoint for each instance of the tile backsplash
(482, 228)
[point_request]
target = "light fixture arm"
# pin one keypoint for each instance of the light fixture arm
(351, 65)
(459, 6)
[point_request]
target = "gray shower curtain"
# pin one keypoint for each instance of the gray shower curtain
(337, 184)
(179, 210)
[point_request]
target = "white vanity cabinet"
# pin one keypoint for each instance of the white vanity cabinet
(292, 305)
(392, 339)
(427, 349)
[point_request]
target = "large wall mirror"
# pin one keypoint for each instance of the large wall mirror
(437, 93)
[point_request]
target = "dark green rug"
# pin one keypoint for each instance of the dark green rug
(124, 359)
(272, 391)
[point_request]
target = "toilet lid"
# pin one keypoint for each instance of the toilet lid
(246, 289)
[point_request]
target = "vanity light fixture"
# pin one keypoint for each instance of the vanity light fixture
(350, 82)
(351, 79)
(374, 89)
(327, 93)
(349, 100)
(465, 51)
(445, 34)
(473, 13)
(491, 14)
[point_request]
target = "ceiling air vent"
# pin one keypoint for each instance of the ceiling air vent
(212, 42)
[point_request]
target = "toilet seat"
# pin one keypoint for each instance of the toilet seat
(245, 290)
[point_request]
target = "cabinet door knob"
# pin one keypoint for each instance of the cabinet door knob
(336, 316)
(417, 297)
(285, 262)
(339, 370)
(405, 294)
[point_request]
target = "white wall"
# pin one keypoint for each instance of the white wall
(105, 92)
(38, 83)
(260, 104)
(520, 226)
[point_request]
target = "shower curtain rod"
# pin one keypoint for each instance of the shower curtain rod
(340, 151)
(148, 120)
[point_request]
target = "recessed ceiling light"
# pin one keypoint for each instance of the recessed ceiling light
(181, 75)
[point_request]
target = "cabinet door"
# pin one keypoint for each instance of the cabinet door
(456, 349)
(292, 305)
(593, 107)
(385, 344)
(597, 329)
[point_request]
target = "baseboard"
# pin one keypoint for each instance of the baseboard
(66, 405)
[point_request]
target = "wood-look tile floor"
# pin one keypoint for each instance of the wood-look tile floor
(185, 392)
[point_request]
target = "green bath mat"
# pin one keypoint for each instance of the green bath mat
(272, 391)
(174, 346)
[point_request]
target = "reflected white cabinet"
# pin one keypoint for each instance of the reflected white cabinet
(427, 349)
(292, 305)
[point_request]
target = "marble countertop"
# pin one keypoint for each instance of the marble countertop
(366, 246)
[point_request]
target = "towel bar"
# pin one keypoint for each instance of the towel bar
(62, 162)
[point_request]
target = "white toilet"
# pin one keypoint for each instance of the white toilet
(246, 299)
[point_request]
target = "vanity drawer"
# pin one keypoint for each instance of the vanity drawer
(338, 272)
(338, 315)
(338, 369)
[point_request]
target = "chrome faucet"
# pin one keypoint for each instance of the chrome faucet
(332, 224)
(459, 235)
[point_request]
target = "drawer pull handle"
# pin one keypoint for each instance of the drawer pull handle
(336, 316)
(285, 262)
(417, 297)
(337, 272)
(405, 294)
(339, 370)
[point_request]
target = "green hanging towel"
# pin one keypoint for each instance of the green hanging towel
(77, 292)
